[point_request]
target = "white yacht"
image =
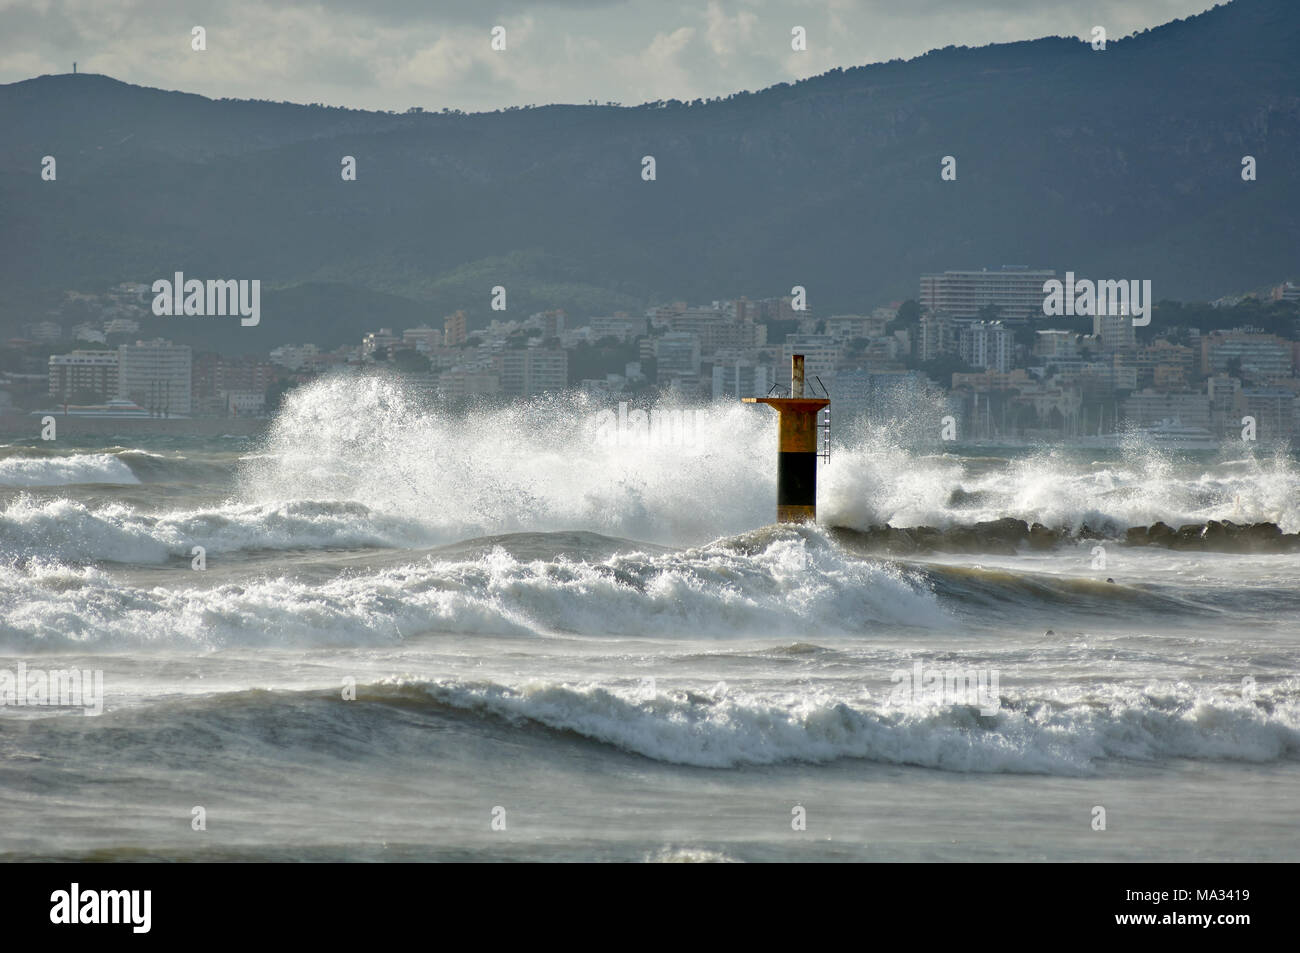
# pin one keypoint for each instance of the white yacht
(1171, 433)
(116, 409)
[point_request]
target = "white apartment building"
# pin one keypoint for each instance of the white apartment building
(535, 370)
(294, 356)
(156, 375)
(741, 378)
(1017, 292)
(622, 326)
(678, 355)
(821, 353)
(987, 344)
(1146, 408)
(1114, 332)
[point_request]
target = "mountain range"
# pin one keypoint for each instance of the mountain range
(1120, 163)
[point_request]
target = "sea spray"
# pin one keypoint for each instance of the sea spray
(538, 465)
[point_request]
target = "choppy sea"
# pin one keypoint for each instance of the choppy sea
(410, 636)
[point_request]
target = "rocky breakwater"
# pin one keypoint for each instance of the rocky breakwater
(1009, 535)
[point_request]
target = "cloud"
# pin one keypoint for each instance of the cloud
(390, 54)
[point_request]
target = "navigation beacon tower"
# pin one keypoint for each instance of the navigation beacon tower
(797, 450)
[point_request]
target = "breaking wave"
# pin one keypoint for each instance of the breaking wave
(540, 466)
(787, 583)
(360, 462)
(77, 468)
(1069, 731)
(1071, 734)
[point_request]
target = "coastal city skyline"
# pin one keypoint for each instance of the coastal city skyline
(974, 344)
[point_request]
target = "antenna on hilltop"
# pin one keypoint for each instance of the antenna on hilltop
(74, 67)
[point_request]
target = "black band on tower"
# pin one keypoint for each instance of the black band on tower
(796, 479)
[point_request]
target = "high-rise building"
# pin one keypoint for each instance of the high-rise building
(988, 344)
(460, 383)
(938, 336)
(678, 356)
(88, 373)
(454, 330)
(821, 354)
(741, 378)
(526, 372)
(156, 375)
(1247, 353)
(1274, 412)
(423, 338)
(1146, 408)
(1226, 404)
(1015, 290)
(225, 385)
(1114, 332)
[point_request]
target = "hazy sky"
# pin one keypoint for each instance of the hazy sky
(391, 54)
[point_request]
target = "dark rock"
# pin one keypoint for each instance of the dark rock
(879, 535)
(1160, 533)
(1188, 537)
(1216, 535)
(1005, 532)
(1260, 537)
(961, 539)
(900, 541)
(926, 537)
(1137, 536)
(1040, 537)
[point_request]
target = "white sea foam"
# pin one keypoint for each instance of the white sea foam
(538, 466)
(789, 589)
(534, 466)
(358, 462)
(873, 481)
(688, 855)
(70, 530)
(36, 471)
(1070, 732)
